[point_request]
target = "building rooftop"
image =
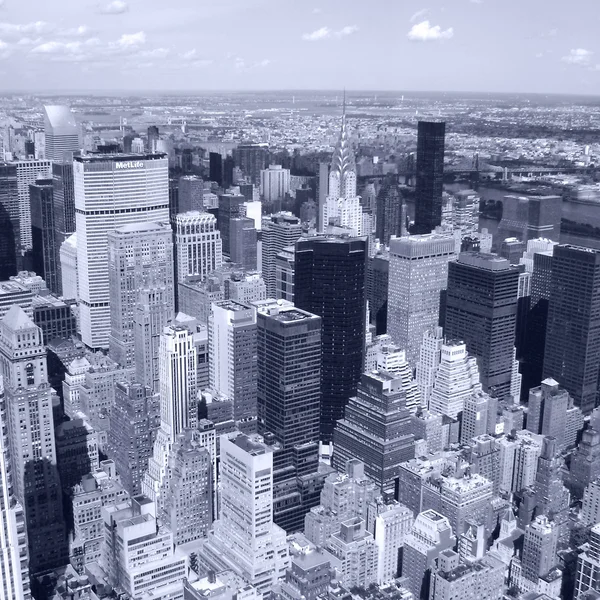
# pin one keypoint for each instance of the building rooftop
(59, 116)
(118, 157)
(489, 262)
(16, 318)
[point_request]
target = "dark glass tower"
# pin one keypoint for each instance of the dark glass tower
(228, 165)
(64, 199)
(481, 310)
(389, 210)
(252, 159)
(229, 208)
(9, 221)
(45, 258)
(153, 137)
(330, 282)
(215, 167)
(430, 176)
(572, 353)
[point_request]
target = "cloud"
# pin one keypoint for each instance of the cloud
(80, 31)
(325, 33)
(37, 27)
(315, 11)
(419, 15)
(241, 64)
(114, 7)
(128, 40)
(424, 32)
(476, 1)
(578, 56)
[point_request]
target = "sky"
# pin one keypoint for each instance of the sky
(536, 46)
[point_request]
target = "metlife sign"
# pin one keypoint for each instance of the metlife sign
(129, 164)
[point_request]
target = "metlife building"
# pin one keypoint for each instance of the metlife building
(111, 191)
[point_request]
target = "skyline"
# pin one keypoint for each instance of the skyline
(118, 45)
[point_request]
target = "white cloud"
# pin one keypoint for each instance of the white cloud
(477, 1)
(80, 31)
(315, 11)
(419, 15)
(189, 55)
(578, 56)
(115, 7)
(325, 33)
(129, 40)
(27, 41)
(425, 32)
(37, 27)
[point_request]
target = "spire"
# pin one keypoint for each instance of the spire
(343, 157)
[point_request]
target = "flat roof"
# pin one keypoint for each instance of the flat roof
(117, 157)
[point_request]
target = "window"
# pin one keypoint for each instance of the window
(29, 373)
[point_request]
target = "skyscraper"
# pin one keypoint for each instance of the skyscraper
(232, 342)
(278, 232)
(418, 274)
(140, 264)
(376, 428)
(10, 221)
(215, 167)
(191, 194)
(389, 202)
(230, 207)
(45, 250)
(274, 183)
(330, 282)
(243, 243)
(588, 565)
(111, 191)
(153, 137)
(572, 353)
(29, 400)
(430, 176)
(481, 310)
(251, 159)
(61, 132)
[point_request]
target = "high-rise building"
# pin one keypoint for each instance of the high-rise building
(10, 221)
(330, 282)
(430, 176)
(215, 167)
(389, 202)
(481, 310)
(378, 272)
(232, 338)
(230, 207)
(531, 217)
(572, 353)
(153, 137)
(246, 541)
(62, 133)
(285, 267)
(198, 246)
(134, 420)
(274, 183)
(140, 267)
(243, 246)
(585, 462)
(588, 565)
(45, 251)
(430, 536)
(28, 172)
(191, 194)
(279, 231)
(418, 274)
(68, 268)
(539, 548)
(376, 428)
(251, 159)
(14, 555)
(29, 401)
(111, 191)
(430, 355)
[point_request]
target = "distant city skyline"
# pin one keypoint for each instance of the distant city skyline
(133, 45)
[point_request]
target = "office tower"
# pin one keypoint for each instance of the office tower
(247, 542)
(232, 367)
(418, 274)
(456, 379)
(178, 401)
(138, 555)
(29, 401)
(140, 265)
(251, 159)
(186, 491)
(10, 220)
(430, 536)
(330, 282)
(153, 137)
(357, 552)
(378, 272)
(28, 172)
(198, 245)
(215, 167)
(481, 310)
(45, 258)
(389, 201)
(465, 213)
(342, 206)
(452, 578)
(323, 187)
(430, 355)
(285, 267)
(106, 189)
(228, 165)
(196, 298)
(230, 207)
(531, 217)
(134, 420)
(68, 268)
(588, 565)
(191, 194)
(585, 462)
(274, 184)
(572, 353)
(484, 458)
(539, 549)
(12, 292)
(428, 429)
(14, 557)
(430, 176)
(519, 454)
(376, 428)
(279, 231)
(590, 505)
(76, 451)
(309, 574)
(243, 243)
(245, 287)
(61, 132)
(476, 417)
